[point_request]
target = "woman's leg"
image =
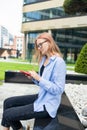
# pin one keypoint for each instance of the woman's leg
(19, 101)
(11, 104)
(15, 114)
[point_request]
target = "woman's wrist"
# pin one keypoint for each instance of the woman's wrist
(39, 78)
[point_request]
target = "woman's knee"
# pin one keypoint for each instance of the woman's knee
(7, 103)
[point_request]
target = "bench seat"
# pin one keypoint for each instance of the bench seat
(66, 119)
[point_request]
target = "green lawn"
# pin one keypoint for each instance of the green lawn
(5, 66)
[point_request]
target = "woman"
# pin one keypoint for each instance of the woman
(50, 79)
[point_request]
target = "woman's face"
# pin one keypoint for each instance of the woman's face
(42, 46)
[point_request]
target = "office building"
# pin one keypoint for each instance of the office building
(10, 46)
(69, 31)
(18, 46)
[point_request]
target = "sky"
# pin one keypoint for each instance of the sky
(11, 15)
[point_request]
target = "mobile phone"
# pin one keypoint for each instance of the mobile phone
(25, 73)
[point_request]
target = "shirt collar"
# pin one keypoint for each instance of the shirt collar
(53, 57)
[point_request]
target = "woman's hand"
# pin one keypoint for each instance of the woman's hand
(35, 75)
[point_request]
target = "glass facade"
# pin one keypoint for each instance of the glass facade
(70, 41)
(30, 45)
(71, 37)
(33, 1)
(45, 14)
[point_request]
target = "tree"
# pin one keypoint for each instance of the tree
(81, 63)
(75, 6)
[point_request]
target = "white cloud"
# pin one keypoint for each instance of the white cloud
(11, 15)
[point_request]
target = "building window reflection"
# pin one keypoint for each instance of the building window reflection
(44, 14)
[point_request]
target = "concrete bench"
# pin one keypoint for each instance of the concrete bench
(17, 77)
(76, 78)
(66, 119)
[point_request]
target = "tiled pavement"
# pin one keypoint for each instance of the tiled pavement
(13, 89)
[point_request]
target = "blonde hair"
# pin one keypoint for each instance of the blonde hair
(53, 48)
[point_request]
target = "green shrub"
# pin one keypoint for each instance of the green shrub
(75, 6)
(81, 63)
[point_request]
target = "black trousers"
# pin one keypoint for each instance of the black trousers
(20, 108)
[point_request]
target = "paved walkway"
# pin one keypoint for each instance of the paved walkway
(13, 89)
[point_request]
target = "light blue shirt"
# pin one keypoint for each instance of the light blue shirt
(51, 85)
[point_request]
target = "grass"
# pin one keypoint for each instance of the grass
(5, 66)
